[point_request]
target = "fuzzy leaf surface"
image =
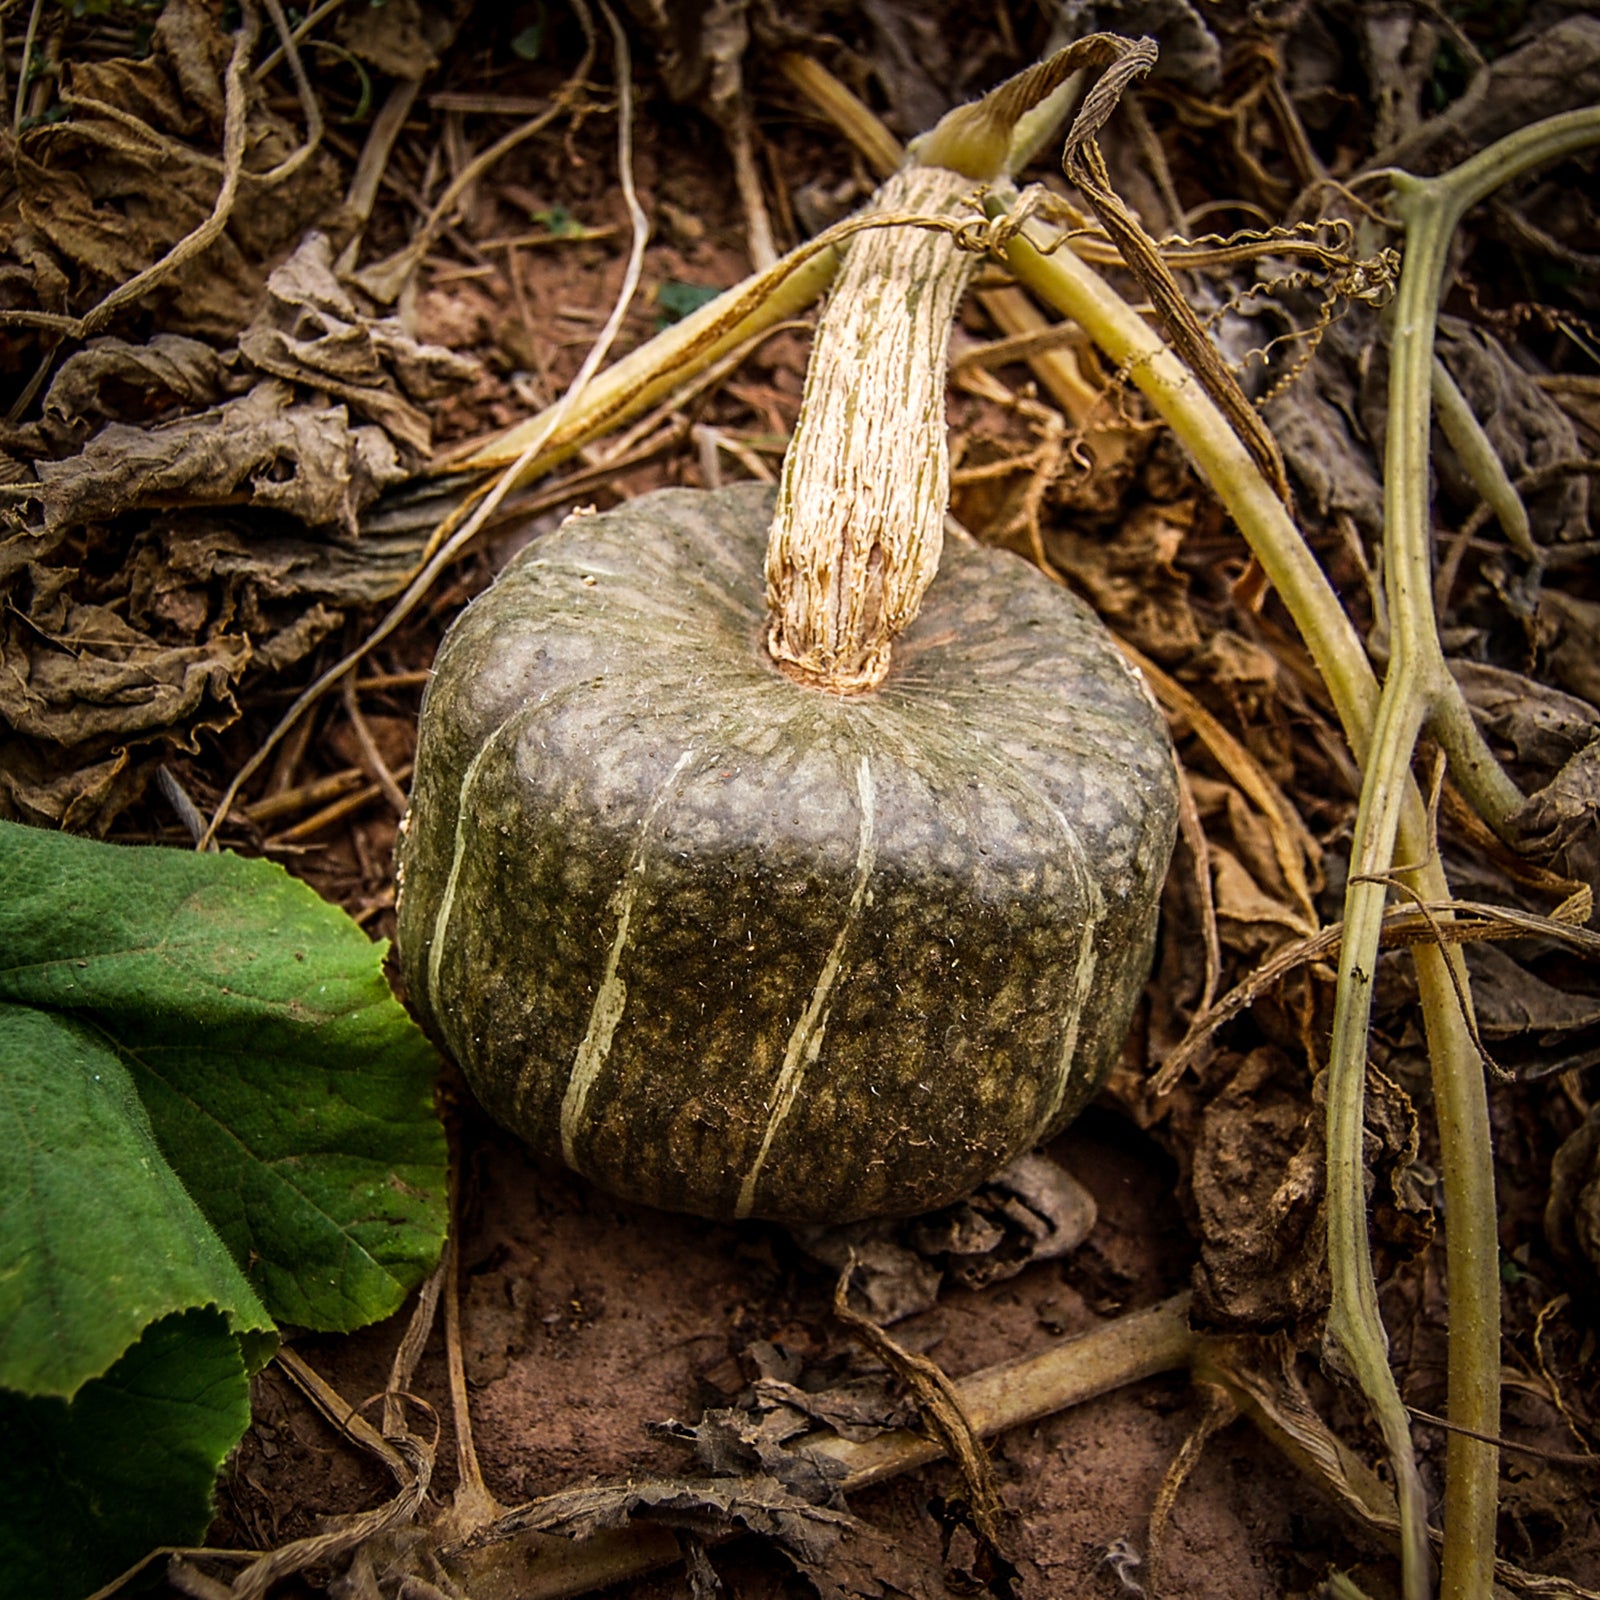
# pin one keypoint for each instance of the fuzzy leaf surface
(87, 1486)
(284, 1085)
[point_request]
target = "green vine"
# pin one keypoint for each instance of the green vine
(1382, 729)
(1418, 691)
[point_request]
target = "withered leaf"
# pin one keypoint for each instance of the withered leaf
(1249, 918)
(100, 676)
(113, 380)
(1321, 425)
(310, 332)
(1402, 1200)
(78, 795)
(840, 1556)
(860, 1408)
(1257, 1188)
(1560, 825)
(1557, 69)
(1190, 53)
(699, 48)
(1575, 659)
(891, 1281)
(1572, 1212)
(1130, 578)
(401, 37)
(1510, 1000)
(910, 58)
(1542, 727)
(1032, 1210)
(1526, 426)
(134, 168)
(264, 449)
(735, 1442)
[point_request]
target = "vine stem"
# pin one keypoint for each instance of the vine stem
(1418, 690)
(1076, 290)
(1382, 730)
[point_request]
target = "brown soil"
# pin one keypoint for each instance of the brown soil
(584, 1319)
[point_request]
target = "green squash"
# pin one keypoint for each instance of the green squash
(728, 943)
(815, 898)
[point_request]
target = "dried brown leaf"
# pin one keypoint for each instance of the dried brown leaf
(699, 48)
(402, 38)
(1251, 920)
(80, 795)
(85, 673)
(310, 332)
(1131, 578)
(1032, 1210)
(1560, 825)
(1257, 1187)
(1542, 727)
(111, 380)
(841, 1557)
(263, 449)
(1249, 679)
(1526, 427)
(861, 1408)
(1557, 69)
(1572, 1212)
(1510, 1000)
(1190, 53)
(1318, 424)
(134, 168)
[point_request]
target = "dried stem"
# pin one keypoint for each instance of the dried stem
(859, 524)
(30, 34)
(1125, 1350)
(384, 280)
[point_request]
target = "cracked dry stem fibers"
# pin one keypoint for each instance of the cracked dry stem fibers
(859, 523)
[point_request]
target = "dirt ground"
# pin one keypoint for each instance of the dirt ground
(584, 1319)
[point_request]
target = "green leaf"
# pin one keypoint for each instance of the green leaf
(559, 223)
(677, 299)
(528, 45)
(212, 1112)
(100, 1238)
(88, 1486)
(285, 1086)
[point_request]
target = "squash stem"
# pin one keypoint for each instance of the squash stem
(859, 522)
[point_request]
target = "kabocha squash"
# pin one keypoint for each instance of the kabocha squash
(737, 902)
(735, 945)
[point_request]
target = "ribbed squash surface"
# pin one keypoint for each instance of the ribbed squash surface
(735, 946)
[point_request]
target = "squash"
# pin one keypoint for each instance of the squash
(816, 903)
(733, 945)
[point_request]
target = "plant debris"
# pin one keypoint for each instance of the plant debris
(209, 485)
